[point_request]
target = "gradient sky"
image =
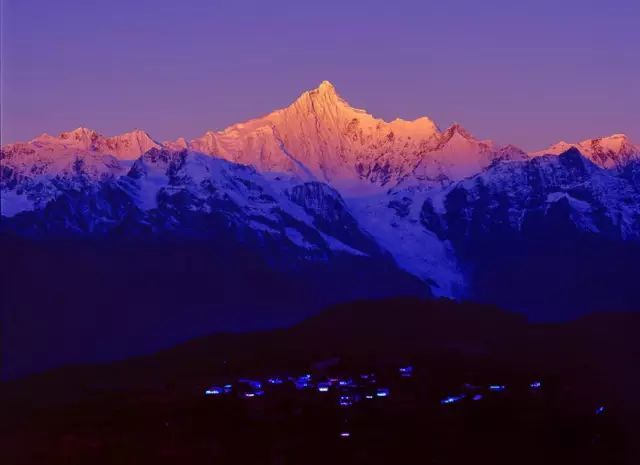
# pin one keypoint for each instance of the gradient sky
(530, 73)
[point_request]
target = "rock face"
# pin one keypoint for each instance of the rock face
(345, 205)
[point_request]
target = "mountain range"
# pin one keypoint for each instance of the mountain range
(342, 203)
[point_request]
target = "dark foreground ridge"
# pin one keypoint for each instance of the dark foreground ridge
(472, 395)
(66, 301)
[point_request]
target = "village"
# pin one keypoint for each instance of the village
(346, 391)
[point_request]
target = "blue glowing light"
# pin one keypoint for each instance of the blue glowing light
(535, 385)
(382, 392)
(303, 382)
(451, 399)
(497, 387)
(345, 434)
(275, 380)
(323, 387)
(477, 397)
(213, 391)
(406, 371)
(600, 410)
(253, 384)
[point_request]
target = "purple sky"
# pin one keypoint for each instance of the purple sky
(529, 73)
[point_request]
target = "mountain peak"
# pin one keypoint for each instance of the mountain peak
(326, 86)
(323, 99)
(81, 130)
(612, 152)
(456, 128)
(136, 134)
(80, 134)
(619, 135)
(130, 145)
(326, 91)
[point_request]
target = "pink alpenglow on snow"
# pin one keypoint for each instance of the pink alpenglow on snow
(384, 170)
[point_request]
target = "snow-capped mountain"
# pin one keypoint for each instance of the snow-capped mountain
(324, 178)
(612, 152)
(509, 196)
(320, 136)
(127, 146)
(164, 189)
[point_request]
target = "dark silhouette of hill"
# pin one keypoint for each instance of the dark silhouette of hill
(599, 349)
(83, 301)
(583, 364)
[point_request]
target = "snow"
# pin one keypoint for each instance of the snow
(30, 174)
(415, 249)
(339, 246)
(84, 141)
(609, 194)
(578, 205)
(12, 203)
(257, 226)
(297, 238)
(129, 145)
(320, 136)
(148, 189)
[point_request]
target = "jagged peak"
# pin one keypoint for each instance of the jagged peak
(79, 133)
(623, 138)
(325, 100)
(512, 149)
(325, 92)
(181, 142)
(456, 128)
(81, 130)
(619, 135)
(571, 155)
(326, 86)
(137, 134)
(324, 96)
(421, 120)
